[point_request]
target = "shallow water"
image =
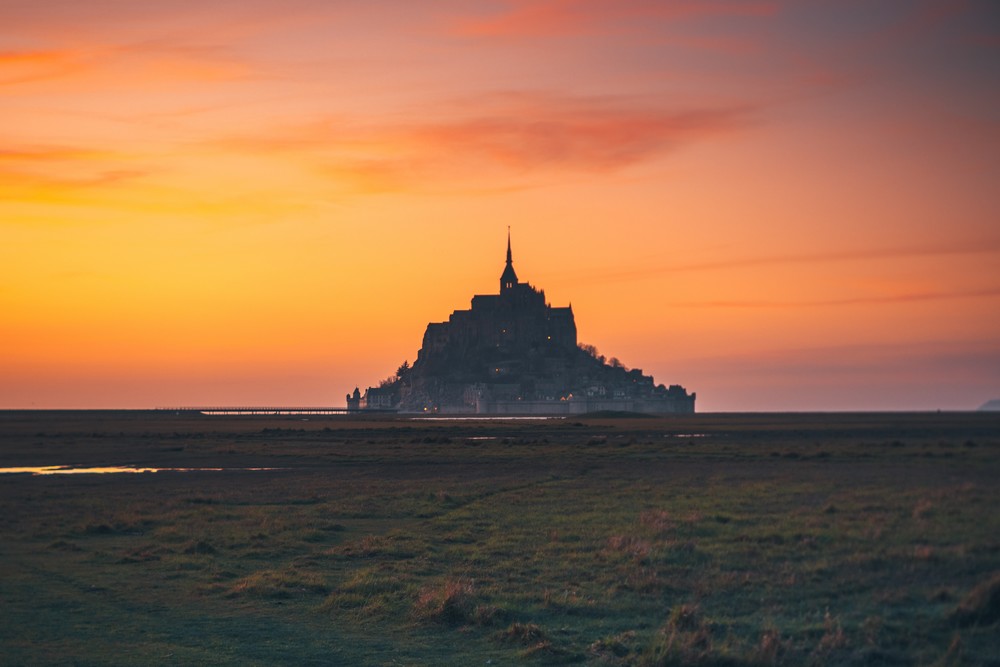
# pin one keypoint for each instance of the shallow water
(493, 418)
(70, 470)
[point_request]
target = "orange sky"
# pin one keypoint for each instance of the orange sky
(779, 205)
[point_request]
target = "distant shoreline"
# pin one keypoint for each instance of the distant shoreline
(389, 414)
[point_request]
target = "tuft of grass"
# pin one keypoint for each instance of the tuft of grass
(923, 509)
(771, 649)
(657, 521)
(277, 584)
(546, 651)
(630, 545)
(144, 554)
(833, 639)
(613, 648)
(200, 547)
(685, 639)
(98, 529)
(524, 633)
(981, 606)
(685, 617)
(453, 602)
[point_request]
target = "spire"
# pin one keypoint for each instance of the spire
(508, 279)
(509, 261)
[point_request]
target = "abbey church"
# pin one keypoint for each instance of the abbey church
(513, 353)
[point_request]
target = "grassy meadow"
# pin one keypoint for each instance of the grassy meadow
(608, 540)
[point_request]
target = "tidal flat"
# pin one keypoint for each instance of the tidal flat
(758, 539)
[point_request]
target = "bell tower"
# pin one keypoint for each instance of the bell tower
(508, 279)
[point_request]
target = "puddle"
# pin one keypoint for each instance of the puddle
(264, 411)
(481, 419)
(69, 470)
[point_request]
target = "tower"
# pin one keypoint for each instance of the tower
(508, 279)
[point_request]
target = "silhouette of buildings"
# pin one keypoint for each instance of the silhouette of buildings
(513, 353)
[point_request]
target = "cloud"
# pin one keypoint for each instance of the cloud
(922, 19)
(501, 136)
(42, 154)
(978, 246)
(33, 171)
(36, 65)
(534, 18)
(145, 63)
(590, 134)
(911, 297)
(19, 185)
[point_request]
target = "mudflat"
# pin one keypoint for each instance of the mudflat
(606, 539)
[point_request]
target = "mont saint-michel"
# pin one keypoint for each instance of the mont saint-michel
(514, 353)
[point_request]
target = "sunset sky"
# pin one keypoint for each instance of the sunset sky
(779, 205)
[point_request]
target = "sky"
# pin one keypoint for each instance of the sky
(779, 205)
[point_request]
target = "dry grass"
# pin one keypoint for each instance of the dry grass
(453, 602)
(982, 605)
(278, 584)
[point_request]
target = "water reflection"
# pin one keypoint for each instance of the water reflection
(482, 419)
(71, 470)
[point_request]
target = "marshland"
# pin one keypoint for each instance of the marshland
(611, 539)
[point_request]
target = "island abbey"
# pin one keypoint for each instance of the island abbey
(513, 353)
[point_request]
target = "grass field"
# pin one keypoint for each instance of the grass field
(614, 540)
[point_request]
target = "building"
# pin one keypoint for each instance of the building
(514, 353)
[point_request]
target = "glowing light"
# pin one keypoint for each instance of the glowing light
(202, 210)
(71, 470)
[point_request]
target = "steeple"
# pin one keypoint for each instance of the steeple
(508, 279)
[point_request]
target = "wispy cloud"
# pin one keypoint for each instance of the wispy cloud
(921, 19)
(26, 66)
(531, 18)
(909, 297)
(50, 153)
(513, 133)
(974, 247)
(149, 62)
(533, 131)
(950, 357)
(28, 171)
(21, 185)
